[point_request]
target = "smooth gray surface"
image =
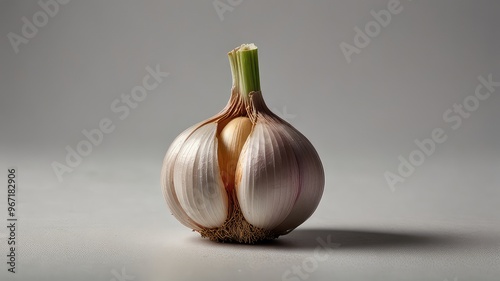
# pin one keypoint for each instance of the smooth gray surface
(108, 214)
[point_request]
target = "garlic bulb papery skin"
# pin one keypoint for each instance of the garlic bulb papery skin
(244, 175)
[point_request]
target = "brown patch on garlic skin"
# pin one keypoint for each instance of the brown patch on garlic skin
(230, 142)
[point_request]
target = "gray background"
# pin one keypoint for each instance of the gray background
(108, 215)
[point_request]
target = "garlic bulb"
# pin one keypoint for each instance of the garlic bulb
(244, 175)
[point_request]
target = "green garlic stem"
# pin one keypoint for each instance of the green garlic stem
(245, 69)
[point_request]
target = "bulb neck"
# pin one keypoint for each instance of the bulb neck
(244, 63)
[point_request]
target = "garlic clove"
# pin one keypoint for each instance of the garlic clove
(231, 140)
(197, 181)
(167, 180)
(312, 181)
(267, 176)
(311, 173)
